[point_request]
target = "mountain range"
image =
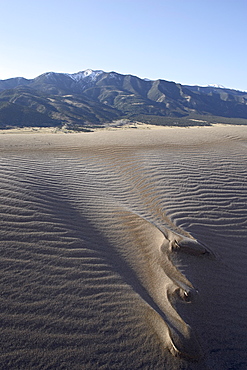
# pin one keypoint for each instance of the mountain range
(90, 99)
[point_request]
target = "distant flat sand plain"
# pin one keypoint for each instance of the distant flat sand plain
(124, 249)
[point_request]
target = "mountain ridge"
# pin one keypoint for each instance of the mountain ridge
(94, 98)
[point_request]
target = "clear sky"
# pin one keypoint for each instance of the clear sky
(187, 41)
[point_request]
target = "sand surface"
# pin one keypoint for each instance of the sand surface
(124, 249)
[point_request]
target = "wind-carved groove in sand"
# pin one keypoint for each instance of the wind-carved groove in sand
(161, 282)
(123, 164)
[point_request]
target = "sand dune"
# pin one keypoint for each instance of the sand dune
(124, 249)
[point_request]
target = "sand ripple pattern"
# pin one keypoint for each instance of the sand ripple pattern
(124, 252)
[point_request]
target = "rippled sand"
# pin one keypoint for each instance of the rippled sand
(124, 250)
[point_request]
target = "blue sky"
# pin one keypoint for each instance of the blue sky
(187, 41)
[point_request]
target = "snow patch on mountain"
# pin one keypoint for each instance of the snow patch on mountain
(217, 86)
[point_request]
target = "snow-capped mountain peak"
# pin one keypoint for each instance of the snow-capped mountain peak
(89, 73)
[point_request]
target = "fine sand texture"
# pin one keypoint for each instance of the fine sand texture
(124, 249)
